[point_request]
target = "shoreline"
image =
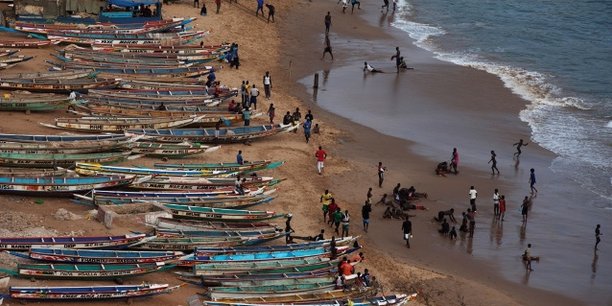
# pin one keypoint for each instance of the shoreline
(357, 133)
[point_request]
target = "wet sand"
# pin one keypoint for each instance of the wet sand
(442, 272)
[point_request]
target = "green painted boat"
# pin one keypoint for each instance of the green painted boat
(177, 150)
(58, 160)
(263, 291)
(276, 266)
(220, 214)
(233, 167)
(88, 271)
(327, 279)
(33, 102)
(190, 243)
(330, 295)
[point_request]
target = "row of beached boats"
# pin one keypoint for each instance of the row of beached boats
(10, 58)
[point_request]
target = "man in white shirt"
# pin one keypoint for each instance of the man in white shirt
(267, 81)
(473, 194)
(368, 67)
(496, 202)
(254, 95)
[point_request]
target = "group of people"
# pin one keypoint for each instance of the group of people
(333, 215)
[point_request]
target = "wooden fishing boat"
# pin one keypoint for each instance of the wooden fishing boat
(99, 64)
(25, 172)
(95, 169)
(220, 214)
(61, 138)
(192, 225)
(26, 243)
(33, 102)
(89, 292)
(188, 244)
(244, 167)
(148, 27)
(189, 72)
(140, 57)
(303, 297)
(173, 233)
(153, 101)
(364, 300)
(71, 147)
(28, 43)
(217, 201)
(5, 53)
(210, 117)
(118, 124)
(266, 290)
(199, 184)
(88, 271)
(102, 256)
(152, 149)
(8, 62)
(53, 75)
(60, 184)
(277, 266)
(226, 135)
(57, 86)
(270, 255)
(221, 195)
(276, 248)
(198, 92)
(58, 160)
(227, 279)
(125, 39)
(238, 282)
(160, 48)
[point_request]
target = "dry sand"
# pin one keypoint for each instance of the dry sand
(353, 153)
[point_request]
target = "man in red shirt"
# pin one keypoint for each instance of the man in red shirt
(321, 155)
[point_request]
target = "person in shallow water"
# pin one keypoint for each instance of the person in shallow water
(368, 68)
(518, 147)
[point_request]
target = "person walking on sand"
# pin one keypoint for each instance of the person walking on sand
(597, 235)
(328, 48)
(471, 216)
(493, 163)
(525, 208)
(473, 194)
(518, 147)
(381, 174)
(271, 12)
(239, 159)
(353, 3)
(344, 5)
(385, 5)
(346, 220)
(366, 209)
(325, 200)
(331, 210)
(496, 203)
(307, 126)
(260, 5)
(337, 216)
(321, 155)
(267, 82)
(407, 231)
(288, 229)
(271, 111)
(454, 161)
(369, 195)
(397, 57)
(218, 3)
(328, 20)
(532, 180)
(502, 207)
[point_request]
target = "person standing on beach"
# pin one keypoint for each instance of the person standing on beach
(331, 208)
(407, 230)
(309, 116)
(321, 155)
(196, 3)
(267, 82)
(254, 95)
(239, 159)
(397, 56)
(218, 3)
(353, 3)
(385, 5)
(325, 200)
(597, 235)
(502, 207)
(471, 216)
(271, 12)
(496, 202)
(346, 219)
(288, 229)
(473, 194)
(246, 115)
(381, 174)
(243, 93)
(307, 126)
(260, 4)
(532, 180)
(328, 20)
(365, 214)
(525, 208)
(369, 195)
(271, 111)
(493, 163)
(337, 216)
(518, 147)
(296, 117)
(287, 119)
(328, 48)
(454, 160)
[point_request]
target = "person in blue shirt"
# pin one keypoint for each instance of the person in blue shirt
(210, 79)
(307, 127)
(246, 116)
(260, 4)
(239, 159)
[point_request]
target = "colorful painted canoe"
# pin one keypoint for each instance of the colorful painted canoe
(117, 124)
(152, 149)
(220, 214)
(275, 267)
(188, 244)
(150, 39)
(88, 293)
(102, 256)
(266, 290)
(199, 184)
(210, 117)
(148, 27)
(387, 300)
(304, 297)
(108, 196)
(88, 271)
(254, 165)
(51, 75)
(270, 256)
(67, 147)
(226, 135)
(276, 248)
(194, 225)
(25, 172)
(231, 202)
(96, 169)
(170, 103)
(312, 279)
(174, 233)
(24, 43)
(57, 86)
(96, 242)
(58, 160)
(60, 138)
(59, 184)
(229, 278)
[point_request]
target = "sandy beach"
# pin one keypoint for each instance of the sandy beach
(486, 270)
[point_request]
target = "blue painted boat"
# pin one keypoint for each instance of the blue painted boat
(59, 185)
(161, 232)
(265, 256)
(59, 138)
(226, 135)
(95, 169)
(102, 256)
(88, 293)
(202, 251)
(387, 300)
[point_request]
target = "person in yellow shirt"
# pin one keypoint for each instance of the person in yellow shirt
(325, 201)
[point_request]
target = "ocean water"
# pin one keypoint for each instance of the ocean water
(557, 54)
